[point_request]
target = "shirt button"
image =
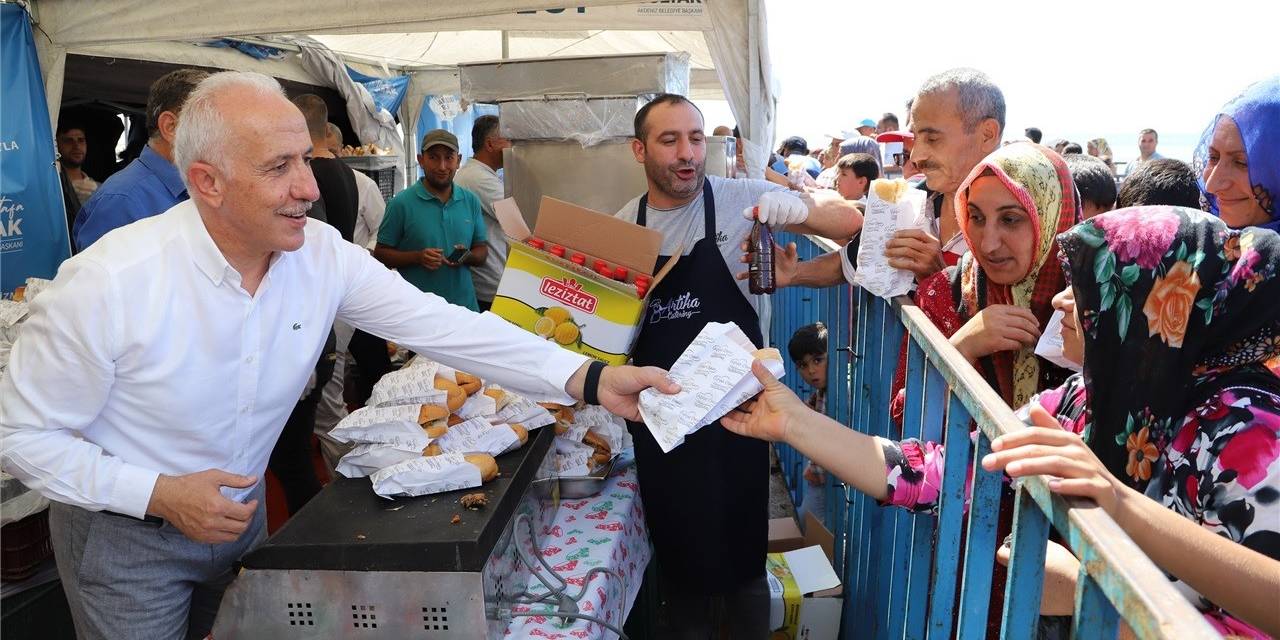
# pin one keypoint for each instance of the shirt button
(244, 409)
(248, 359)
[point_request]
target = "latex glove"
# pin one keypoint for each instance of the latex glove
(778, 208)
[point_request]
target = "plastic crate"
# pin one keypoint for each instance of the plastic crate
(23, 546)
(382, 169)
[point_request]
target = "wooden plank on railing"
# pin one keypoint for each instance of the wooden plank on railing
(951, 501)
(1026, 570)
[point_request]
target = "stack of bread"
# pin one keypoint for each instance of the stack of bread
(429, 428)
(587, 438)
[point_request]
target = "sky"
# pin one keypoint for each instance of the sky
(1077, 70)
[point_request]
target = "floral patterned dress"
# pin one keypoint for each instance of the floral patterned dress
(1195, 427)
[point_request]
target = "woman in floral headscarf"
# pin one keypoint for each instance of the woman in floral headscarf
(994, 304)
(1238, 159)
(1184, 449)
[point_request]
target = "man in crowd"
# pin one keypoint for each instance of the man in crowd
(1033, 134)
(1071, 147)
(371, 206)
(1160, 181)
(793, 155)
(1094, 181)
(857, 170)
(150, 434)
(150, 184)
(889, 122)
(480, 176)
(433, 232)
(957, 118)
(706, 502)
(722, 130)
(867, 128)
(336, 181)
(72, 148)
(1147, 141)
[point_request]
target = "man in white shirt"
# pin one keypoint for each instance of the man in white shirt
(155, 373)
(480, 176)
(1147, 141)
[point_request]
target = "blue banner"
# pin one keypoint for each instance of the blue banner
(33, 222)
(387, 93)
(446, 112)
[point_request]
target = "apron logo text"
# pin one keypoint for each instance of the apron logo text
(684, 306)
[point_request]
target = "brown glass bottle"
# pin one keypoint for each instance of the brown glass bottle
(761, 270)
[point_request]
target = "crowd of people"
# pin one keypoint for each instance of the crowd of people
(227, 277)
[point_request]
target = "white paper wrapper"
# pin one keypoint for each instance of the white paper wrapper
(421, 476)
(478, 436)
(33, 288)
(477, 406)
(11, 313)
(367, 459)
(1050, 345)
(881, 220)
(714, 374)
(525, 412)
(572, 458)
(413, 385)
(396, 425)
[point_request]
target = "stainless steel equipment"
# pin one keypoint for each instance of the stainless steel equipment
(602, 177)
(353, 565)
(617, 75)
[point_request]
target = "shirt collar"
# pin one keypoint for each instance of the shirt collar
(482, 166)
(164, 170)
(205, 253)
(420, 188)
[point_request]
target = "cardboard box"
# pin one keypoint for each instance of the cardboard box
(784, 535)
(804, 591)
(573, 305)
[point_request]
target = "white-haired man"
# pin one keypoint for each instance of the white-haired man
(155, 373)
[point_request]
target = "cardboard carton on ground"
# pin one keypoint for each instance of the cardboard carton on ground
(784, 535)
(570, 304)
(804, 592)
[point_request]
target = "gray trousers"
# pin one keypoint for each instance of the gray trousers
(127, 578)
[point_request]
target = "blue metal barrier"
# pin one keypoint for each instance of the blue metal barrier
(909, 575)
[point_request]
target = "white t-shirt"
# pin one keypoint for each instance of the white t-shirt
(480, 179)
(683, 226)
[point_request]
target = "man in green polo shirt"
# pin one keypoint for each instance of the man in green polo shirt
(432, 220)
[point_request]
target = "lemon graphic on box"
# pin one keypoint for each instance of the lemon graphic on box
(557, 324)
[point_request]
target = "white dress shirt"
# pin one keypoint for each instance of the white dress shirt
(145, 356)
(480, 179)
(370, 207)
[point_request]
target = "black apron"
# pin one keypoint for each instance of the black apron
(707, 501)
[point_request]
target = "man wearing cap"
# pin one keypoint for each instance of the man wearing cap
(867, 127)
(434, 231)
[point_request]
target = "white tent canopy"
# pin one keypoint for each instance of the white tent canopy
(426, 39)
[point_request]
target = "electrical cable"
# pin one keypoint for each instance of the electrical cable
(525, 597)
(578, 616)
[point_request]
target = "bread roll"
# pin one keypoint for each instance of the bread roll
(436, 429)
(499, 397)
(469, 383)
(599, 459)
(456, 396)
(432, 449)
(488, 466)
(430, 413)
(454, 419)
(521, 433)
(599, 444)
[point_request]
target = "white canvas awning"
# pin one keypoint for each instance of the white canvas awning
(426, 39)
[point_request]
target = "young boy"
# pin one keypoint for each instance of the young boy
(857, 170)
(808, 349)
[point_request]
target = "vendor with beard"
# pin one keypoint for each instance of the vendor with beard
(706, 502)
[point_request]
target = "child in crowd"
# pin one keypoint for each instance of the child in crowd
(808, 349)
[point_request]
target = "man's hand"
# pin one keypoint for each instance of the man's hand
(786, 262)
(431, 259)
(772, 415)
(778, 208)
(620, 387)
(451, 263)
(999, 327)
(916, 251)
(194, 504)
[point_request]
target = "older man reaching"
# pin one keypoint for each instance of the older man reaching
(154, 375)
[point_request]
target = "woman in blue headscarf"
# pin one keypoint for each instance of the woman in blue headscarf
(1238, 159)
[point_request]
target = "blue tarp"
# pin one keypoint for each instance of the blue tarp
(387, 93)
(33, 222)
(459, 125)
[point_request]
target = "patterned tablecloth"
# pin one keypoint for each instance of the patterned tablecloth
(604, 530)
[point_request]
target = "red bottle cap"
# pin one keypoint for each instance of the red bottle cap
(536, 243)
(600, 264)
(641, 290)
(557, 251)
(604, 271)
(620, 274)
(642, 281)
(578, 258)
